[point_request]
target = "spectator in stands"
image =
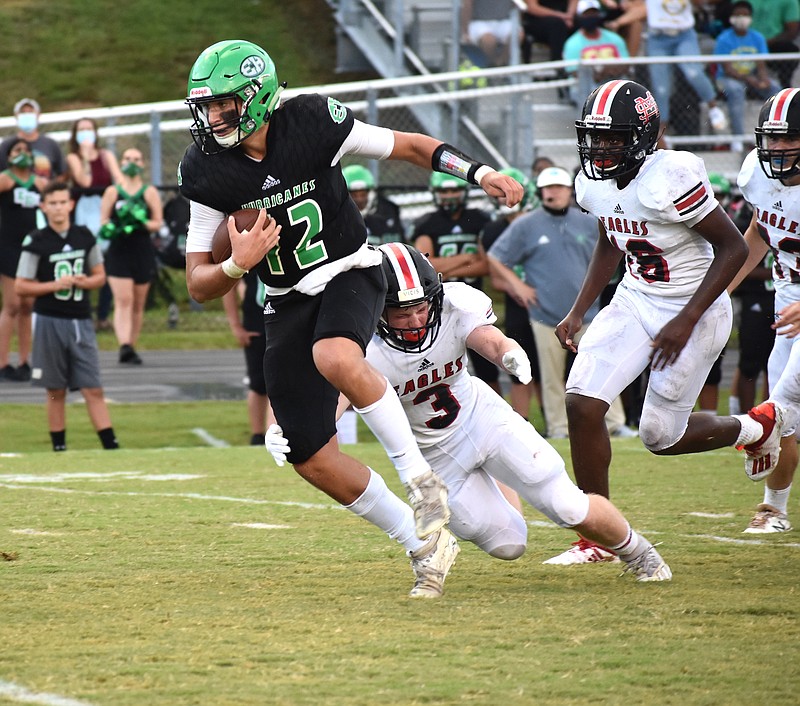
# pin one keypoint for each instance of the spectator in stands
(549, 22)
(450, 237)
(19, 204)
(130, 211)
(739, 79)
(779, 22)
(91, 168)
(554, 245)
(249, 333)
(592, 41)
(48, 161)
(623, 18)
(671, 32)
(487, 24)
(381, 215)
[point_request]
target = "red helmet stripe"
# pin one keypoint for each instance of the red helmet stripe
(403, 265)
(780, 106)
(605, 97)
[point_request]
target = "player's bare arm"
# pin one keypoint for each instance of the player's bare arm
(604, 262)
(490, 342)
(419, 149)
(206, 280)
(757, 250)
(730, 253)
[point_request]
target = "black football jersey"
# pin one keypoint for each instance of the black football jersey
(453, 237)
(295, 182)
(59, 257)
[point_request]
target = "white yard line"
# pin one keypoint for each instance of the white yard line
(210, 440)
(21, 695)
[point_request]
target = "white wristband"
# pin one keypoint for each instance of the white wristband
(481, 172)
(232, 270)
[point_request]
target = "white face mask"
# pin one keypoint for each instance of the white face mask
(27, 122)
(741, 22)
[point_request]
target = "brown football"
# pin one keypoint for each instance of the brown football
(221, 243)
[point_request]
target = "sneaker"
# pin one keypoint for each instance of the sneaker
(583, 551)
(24, 372)
(431, 564)
(767, 520)
(9, 373)
(717, 118)
(128, 355)
(427, 494)
(761, 456)
(648, 566)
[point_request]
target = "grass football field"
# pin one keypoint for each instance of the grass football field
(199, 575)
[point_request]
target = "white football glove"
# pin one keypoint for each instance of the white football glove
(516, 362)
(276, 443)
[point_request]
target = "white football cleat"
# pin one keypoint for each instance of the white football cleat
(432, 563)
(427, 494)
(583, 551)
(761, 457)
(768, 520)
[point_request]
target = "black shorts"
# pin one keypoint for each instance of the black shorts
(756, 335)
(518, 327)
(133, 258)
(254, 360)
(304, 402)
(9, 258)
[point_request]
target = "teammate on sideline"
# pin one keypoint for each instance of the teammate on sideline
(770, 182)
(325, 286)
(471, 434)
(670, 311)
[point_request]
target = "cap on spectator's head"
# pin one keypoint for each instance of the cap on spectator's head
(584, 5)
(22, 102)
(553, 176)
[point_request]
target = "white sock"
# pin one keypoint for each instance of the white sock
(751, 430)
(388, 422)
(633, 545)
(733, 405)
(779, 499)
(380, 506)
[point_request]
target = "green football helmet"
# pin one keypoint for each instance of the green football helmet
(450, 202)
(232, 69)
(359, 179)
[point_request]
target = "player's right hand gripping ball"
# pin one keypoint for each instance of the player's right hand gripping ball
(221, 242)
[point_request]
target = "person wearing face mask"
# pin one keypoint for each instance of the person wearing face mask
(48, 160)
(748, 77)
(129, 213)
(593, 41)
(553, 244)
(91, 169)
(19, 206)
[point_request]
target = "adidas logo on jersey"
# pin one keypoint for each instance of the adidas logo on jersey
(424, 365)
(618, 209)
(270, 182)
(268, 309)
(778, 206)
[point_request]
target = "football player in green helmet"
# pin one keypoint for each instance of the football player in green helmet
(449, 192)
(361, 185)
(325, 287)
(237, 79)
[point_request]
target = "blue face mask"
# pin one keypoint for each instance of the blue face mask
(85, 137)
(27, 122)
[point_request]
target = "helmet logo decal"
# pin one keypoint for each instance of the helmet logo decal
(252, 66)
(337, 111)
(646, 107)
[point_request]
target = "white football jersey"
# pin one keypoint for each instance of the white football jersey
(437, 392)
(651, 221)
(777, 209)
